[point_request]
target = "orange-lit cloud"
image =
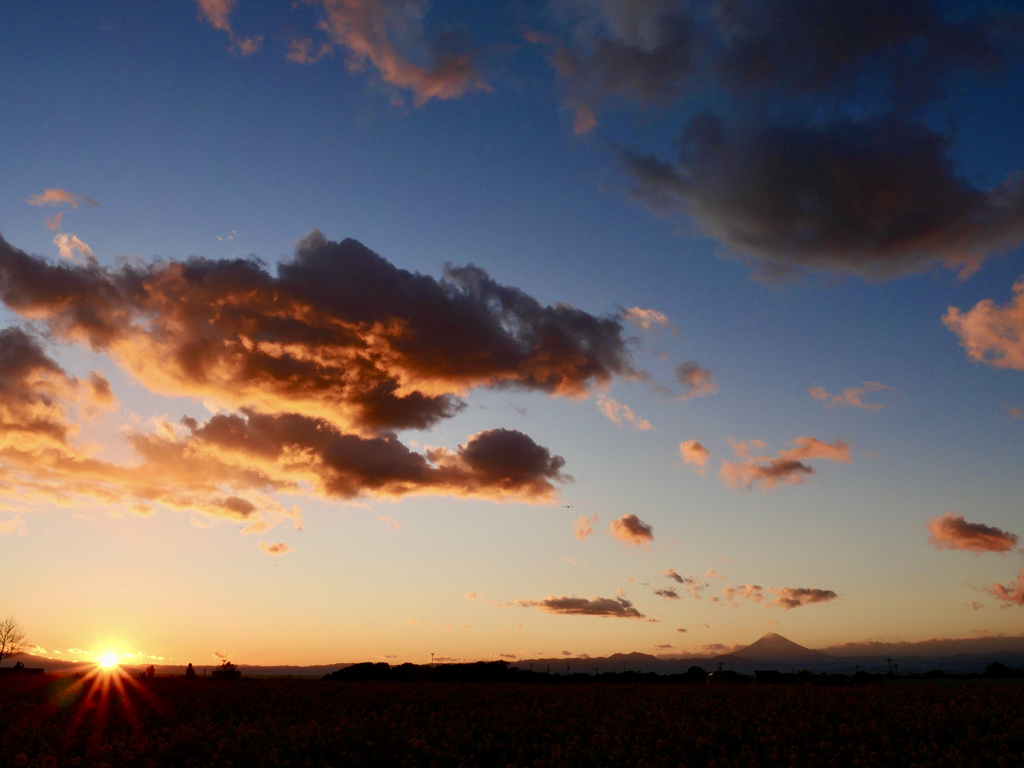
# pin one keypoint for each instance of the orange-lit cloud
(851, 396)
(583, 526)
(788, 466)
(695, 454)
(15, 525)
(69, 245)
(340, 334)
(1012, 594)
(217, 13)
(630, 529)
(992, 334)
(646, 318)
(380, 32)
(278, 549)
(786, 597)
(953, 532)
(53, 222)
(618, 413)
(618, 607)
(60, 197)
(695, 380)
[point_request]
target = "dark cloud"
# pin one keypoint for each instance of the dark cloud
(618, 607)
(800, 46)
(953, 532)
(794, 597)
(877, 197)
(630, 529)
(893, 54)
(339, 334)
(668, 594)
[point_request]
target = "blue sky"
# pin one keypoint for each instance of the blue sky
(788, 204)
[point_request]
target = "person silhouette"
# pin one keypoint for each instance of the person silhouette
(190, 673)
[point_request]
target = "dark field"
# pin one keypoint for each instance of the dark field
(171, 722)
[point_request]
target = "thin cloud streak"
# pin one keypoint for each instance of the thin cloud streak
(851, 396)
(617, 607)
(954, 532)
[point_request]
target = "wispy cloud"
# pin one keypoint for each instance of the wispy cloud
(851, 396)
(694, 454)
(1012, 594)
(71, 247)
(954, 532)
(378, 33)
(60, 197)
(788, 466)
(583, 526)
(302, 50)
(695, 380)
(278, 549)
(619, 413)
(617, 607)
(630, 529)
(217, 14)
(647, 319)
(785, 597)
(15, 525)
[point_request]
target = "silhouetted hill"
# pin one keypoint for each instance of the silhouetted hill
(776, 648)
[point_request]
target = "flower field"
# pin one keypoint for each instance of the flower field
(285, 722)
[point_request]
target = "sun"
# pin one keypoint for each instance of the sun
(108, 660)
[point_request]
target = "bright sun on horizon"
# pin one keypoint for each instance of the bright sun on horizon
(108, 660)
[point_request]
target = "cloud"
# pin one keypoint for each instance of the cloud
(953, 532)
(69, 245)
(301, 50)
(695, 380)
(794, 597)
(378, 32)
(53, 222)
(339, 333)
(991, 334)
(641, 51)
(278, 549)
(217, 13)
(670, 573)
(646, 319)
(618, 607)
(787, 466)
(15, 525)
(229, 467)
(583, 526)
(60, 197)
(618, 413)
(877, 197)
(630, 529)
(852, 396)
(1012, 594)
(786, 597)
(681, 630)
(667, 594)
(695, 454)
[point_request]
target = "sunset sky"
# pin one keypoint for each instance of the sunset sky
(346, 330)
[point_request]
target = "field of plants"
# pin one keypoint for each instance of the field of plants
(120, 721)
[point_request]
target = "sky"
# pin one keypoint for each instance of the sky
(348, 330)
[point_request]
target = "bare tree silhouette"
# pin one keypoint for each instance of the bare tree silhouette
(12, 638)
